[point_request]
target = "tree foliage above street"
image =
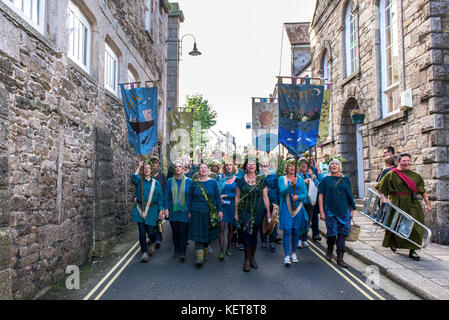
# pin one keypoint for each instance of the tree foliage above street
(203, 113)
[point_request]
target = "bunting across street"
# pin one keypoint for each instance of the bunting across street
(141, 117)
(299, 115)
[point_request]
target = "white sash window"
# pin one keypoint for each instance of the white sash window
(110, 70)
(79, 37)
(148, 17)
(389, 43)
(32, 11)
(350, 46)
(131, 77)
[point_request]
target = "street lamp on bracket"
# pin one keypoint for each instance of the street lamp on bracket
(195, 51)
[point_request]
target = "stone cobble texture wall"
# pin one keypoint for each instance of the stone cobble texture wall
(424, 68)
(65, 159)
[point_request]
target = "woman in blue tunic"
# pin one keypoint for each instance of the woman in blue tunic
(293, 217)
(147, 213)
(336, 209)
(206, 203)
(176, 203)
(273, 196)
(227, 184)
(251, 203)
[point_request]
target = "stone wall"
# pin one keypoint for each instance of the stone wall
(65, 156)
(424, 65)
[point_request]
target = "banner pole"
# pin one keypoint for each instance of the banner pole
(294, 186)
(141, 184)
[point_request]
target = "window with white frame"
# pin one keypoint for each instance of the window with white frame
(327, 76)
(32, 11)
(110, 69)
(79, 37)
(131, 77)
(389, 44)
(148, 17)
(326, 68)
(350, 40)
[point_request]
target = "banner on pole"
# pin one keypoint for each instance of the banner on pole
(265, 124)
(141, 117)
(299, 116)
(323, 131)
(180, 124)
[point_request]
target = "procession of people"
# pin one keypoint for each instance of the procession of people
(235, 204)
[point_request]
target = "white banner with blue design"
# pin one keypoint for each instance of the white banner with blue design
(265, 123)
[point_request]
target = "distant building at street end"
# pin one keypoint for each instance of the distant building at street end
(301, 57)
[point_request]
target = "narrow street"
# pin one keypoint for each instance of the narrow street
(166, 278)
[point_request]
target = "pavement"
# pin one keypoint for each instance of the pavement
(428, 278)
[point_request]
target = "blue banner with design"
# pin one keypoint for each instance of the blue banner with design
(299, 116)
(141, 117)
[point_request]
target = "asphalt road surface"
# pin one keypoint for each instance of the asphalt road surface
(164, 277)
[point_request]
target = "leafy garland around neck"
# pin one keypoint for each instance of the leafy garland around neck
(249, 202)
(214, 219)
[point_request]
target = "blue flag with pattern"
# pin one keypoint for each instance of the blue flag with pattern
(141, 117)
(299, 116)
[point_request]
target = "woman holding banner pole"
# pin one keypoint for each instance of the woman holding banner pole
(293, 217)
(149, 206)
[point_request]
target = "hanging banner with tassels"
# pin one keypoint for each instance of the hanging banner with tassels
(323, 131)
(265, 124)
(141, 117)
(299, 115)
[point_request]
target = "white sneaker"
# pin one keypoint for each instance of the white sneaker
(305, 244)
(299, 244)
(294, 258)
(287, 261)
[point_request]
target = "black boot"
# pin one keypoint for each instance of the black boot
(329, 252)
(340, 261)
(413, 255)
(246, 263)
(252, 260)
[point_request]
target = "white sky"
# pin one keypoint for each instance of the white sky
(240, 42)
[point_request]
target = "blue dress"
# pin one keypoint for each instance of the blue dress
(338, 201)
(229, 205)
(200, 229)
(178, 216)
(156, 202)
(301, 220)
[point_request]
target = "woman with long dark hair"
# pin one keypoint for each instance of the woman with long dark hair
(251, 202)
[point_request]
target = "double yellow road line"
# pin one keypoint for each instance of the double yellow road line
(320, 254)
(368, 292)
(100, 294)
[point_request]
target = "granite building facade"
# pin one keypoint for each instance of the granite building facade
(390, 60)
(64, 152)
